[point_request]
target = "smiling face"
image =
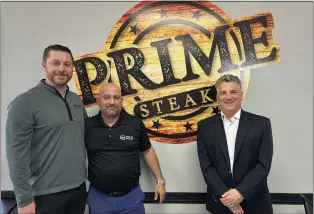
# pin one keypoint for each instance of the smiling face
(229, 97)
(110, 100)
(59, 68)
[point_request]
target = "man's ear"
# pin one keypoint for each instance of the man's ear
(43, 64)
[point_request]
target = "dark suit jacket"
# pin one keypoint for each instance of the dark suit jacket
(252, 162)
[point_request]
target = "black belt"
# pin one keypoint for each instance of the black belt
(119, 194)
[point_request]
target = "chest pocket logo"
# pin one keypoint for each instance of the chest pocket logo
(126, 137)
(77, 112)
(77, 106)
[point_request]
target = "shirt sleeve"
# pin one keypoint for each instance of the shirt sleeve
(19, 130)
(144, 140)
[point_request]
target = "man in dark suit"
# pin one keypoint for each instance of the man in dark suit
(235, 150)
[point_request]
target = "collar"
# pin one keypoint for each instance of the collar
(235, 116)
(42, 84)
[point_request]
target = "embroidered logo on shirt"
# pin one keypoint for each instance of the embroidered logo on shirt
(126, 137)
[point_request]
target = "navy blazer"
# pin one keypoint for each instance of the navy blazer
(252, 162)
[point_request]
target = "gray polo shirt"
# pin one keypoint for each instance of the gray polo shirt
(45, 142)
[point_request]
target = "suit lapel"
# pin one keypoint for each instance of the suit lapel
(221, 137)
(244, 125)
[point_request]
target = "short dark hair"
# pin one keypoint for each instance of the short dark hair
(55, 47)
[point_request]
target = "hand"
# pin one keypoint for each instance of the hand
(161, 191)
(29, 209)
(231, 198)
(237, 209)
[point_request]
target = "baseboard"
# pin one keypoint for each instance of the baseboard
(199, 198)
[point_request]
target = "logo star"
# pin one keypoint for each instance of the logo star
(156, 124)
(133, 29)
(188, 126)
(216, 110)
(163, 13)
(197, 14)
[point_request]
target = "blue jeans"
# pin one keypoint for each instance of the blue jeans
(101, 203)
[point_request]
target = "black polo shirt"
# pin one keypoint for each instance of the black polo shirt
(113, 152)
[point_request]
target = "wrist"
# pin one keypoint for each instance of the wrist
(161, 181)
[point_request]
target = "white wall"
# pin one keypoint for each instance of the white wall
(283, 91)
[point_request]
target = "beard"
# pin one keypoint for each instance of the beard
(60, 80)
(111, 111)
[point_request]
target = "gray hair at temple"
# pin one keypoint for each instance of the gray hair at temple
(228, 78)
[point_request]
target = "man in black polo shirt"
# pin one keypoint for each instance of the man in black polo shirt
(114, 140)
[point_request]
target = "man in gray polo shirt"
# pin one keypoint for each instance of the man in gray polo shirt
(45, 141)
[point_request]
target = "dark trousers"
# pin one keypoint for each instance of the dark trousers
(66, 202)
(101, 203)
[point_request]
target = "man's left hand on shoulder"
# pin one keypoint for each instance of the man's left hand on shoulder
(231, 198)
(160, 191)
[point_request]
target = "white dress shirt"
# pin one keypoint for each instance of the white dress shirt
(231, 129)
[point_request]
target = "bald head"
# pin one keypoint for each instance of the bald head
(110, 100)
(109, 87)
